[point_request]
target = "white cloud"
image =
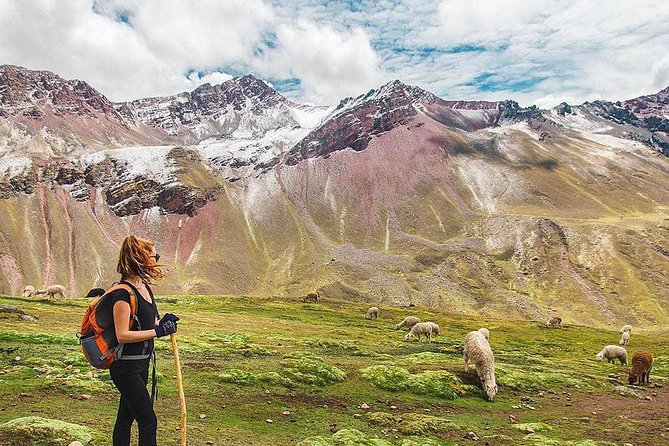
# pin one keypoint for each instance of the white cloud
(483, 20)
(585, 50)
(130, 49)
(151, 51)
(198, 33)
(330, 65)
(216, 77)
(660, 74)
(534, 51)
(66, 37)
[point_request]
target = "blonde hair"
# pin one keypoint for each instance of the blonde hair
(135, 260)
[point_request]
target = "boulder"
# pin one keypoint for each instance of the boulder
(12, 310)
(626, 391)
(31, 431)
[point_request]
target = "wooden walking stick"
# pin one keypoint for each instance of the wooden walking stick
(180, 383)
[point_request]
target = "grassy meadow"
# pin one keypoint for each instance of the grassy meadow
(281, 372)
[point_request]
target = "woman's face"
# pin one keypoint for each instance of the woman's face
(153, 254)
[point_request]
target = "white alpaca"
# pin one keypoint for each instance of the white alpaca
(418, 330)
(477, 350)
(372, 313)
(53, 290)
(407, 322)
(612, 352)
(436, 331)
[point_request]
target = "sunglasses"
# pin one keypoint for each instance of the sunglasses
(157, 257)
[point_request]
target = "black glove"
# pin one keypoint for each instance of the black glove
(166, 327)
(169, 317)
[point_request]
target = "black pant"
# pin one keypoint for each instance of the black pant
(130, 378)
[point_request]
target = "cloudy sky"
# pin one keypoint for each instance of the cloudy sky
(534, 51)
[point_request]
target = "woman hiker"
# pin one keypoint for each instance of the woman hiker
(138, 267)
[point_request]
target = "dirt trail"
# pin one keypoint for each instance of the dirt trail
(622, 220)
(44, 215)
(12, 273)
(605, 412)
(62, 197)
(92, 212)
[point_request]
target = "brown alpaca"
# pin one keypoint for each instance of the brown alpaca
(642, 363)
(555, 321)
(311, 297)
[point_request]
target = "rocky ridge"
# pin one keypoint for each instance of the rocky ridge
(244, 107)
(243, 125)
(35, 93)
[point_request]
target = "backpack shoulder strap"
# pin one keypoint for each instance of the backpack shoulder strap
(131, 293)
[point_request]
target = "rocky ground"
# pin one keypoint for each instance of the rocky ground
(281, 372)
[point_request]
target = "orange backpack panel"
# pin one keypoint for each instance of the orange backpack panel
(97, 335)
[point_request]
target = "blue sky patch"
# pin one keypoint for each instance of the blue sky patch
(123, 16)
(488, 81)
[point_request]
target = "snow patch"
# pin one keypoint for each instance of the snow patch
(614, 141)
(579, 121)
(148, 161)
(250, 151)
(258, 198)
(478, 115)
(12, 166)
(309, 117)
(151, 217)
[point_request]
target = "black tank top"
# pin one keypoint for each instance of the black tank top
(147, 313)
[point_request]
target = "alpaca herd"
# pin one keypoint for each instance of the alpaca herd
(642, 361)
(52, 291)
(477, 349)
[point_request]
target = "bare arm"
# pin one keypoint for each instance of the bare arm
(123, 333)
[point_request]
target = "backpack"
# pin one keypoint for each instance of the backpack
(97, 335)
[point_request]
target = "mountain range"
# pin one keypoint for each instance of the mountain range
(395, 196)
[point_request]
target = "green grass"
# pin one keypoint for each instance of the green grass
(439, 383)
(248, 360)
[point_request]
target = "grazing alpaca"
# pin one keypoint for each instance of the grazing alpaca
(478, 351)
(555, 321)
(53, 290)
(418, 330)
(311, 297)
(642, 363)
(407, 322)
(612, 352)
(372, 313)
